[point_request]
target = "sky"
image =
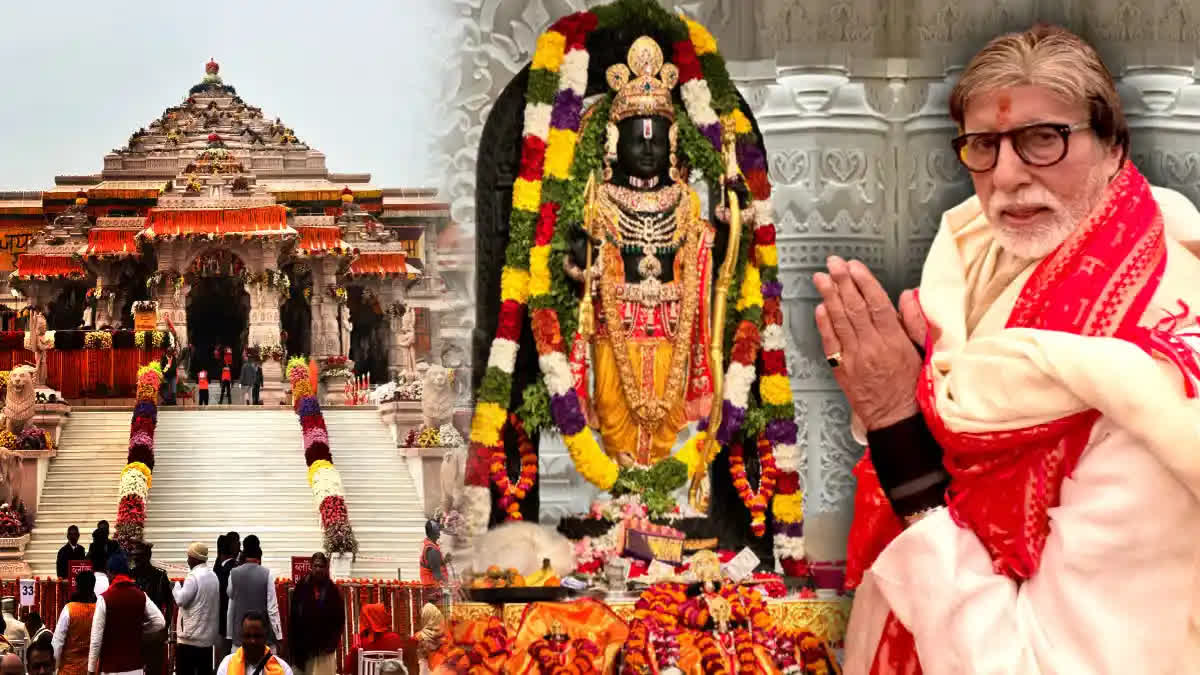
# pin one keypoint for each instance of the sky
(356, 80)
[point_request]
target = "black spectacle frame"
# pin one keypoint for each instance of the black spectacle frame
(1022, 139)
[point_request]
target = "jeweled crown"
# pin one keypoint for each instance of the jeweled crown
(644, 86)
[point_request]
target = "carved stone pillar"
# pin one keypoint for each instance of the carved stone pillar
(324, 309)
(173, 304)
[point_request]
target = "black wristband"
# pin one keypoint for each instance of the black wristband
(908, 462)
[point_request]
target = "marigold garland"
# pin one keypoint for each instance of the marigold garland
(323, 478)
(511, 495)
(545, 191)
(755, 500)
(133, 488)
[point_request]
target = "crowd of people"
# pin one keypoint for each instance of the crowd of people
(250, 379)
(226, 615)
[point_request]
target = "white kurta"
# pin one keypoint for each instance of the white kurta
(1112, 594)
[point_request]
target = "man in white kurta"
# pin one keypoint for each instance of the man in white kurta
(1062, 558)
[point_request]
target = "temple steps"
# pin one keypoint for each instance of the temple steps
(93, 446)
(237, 468)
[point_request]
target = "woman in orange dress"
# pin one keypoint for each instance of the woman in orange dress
(73, 634)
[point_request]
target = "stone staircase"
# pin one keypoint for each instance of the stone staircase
(380, 493)
(238, 468)
(81, 485)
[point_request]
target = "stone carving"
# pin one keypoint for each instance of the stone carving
(437, 401)
(453, 473)
(406, 338)
(36, 342)
(19, 399)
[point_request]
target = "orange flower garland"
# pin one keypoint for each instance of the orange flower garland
(756, 500)
(582, 663)
(511, 495)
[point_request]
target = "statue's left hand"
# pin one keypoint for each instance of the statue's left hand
(742, 192)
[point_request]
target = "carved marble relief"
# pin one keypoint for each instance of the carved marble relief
(852, 100)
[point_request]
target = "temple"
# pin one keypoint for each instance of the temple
(235, 230)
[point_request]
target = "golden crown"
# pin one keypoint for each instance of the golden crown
(646, 94)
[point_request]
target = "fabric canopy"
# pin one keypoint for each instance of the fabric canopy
(34, 265)
(264, 220)
(111, 242)
(320, 240)
(380, 265)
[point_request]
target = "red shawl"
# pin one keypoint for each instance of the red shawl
(1097, 283)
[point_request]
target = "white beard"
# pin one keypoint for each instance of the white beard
(1040, 239)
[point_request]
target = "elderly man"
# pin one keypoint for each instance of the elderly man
(198, 598)
(1028, 503)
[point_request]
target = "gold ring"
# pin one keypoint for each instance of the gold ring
(834, 360)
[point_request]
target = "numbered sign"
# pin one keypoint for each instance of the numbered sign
(27, 592)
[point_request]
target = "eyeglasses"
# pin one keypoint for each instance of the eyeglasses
(1036, 144)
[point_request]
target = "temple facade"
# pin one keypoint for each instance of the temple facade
(232, 228)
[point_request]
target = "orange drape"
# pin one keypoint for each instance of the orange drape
(77, 372)
(48, 266)
(320, 239)
(380, 264)
(104, 241)
(217, 221)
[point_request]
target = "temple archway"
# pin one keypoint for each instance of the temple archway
(218, 312)
(295, 314)
(65, 311)
(368, 335)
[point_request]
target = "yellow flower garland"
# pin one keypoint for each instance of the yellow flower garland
(317, 466)
(539, 270)
(488, 421)
(138, 466)
(548, 54)
(514, 285)
(702, 41)
(775, 389)
(789, 508)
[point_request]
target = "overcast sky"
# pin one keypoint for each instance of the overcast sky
(354, 79)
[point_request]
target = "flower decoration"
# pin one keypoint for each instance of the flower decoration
(323, 477)
(98, 339)
(13, 521)
(133, 490)
(546, 193)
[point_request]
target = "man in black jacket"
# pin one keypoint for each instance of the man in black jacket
(228, 547)
(70, 551)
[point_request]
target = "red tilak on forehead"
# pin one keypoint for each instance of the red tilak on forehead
(1005, 108)
(647, 128)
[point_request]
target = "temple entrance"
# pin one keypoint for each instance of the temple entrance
(295, 314)
(369, 335)
(66, 311)
(218, 316)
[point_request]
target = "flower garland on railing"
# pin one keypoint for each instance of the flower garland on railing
(98, 339)
(549, 188)
(324, 479)
(144, 339)
(134, 488)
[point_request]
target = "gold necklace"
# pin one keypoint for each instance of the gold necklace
(638, 201)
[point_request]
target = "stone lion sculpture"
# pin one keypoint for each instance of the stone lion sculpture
(19, 399)
(437, 400)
